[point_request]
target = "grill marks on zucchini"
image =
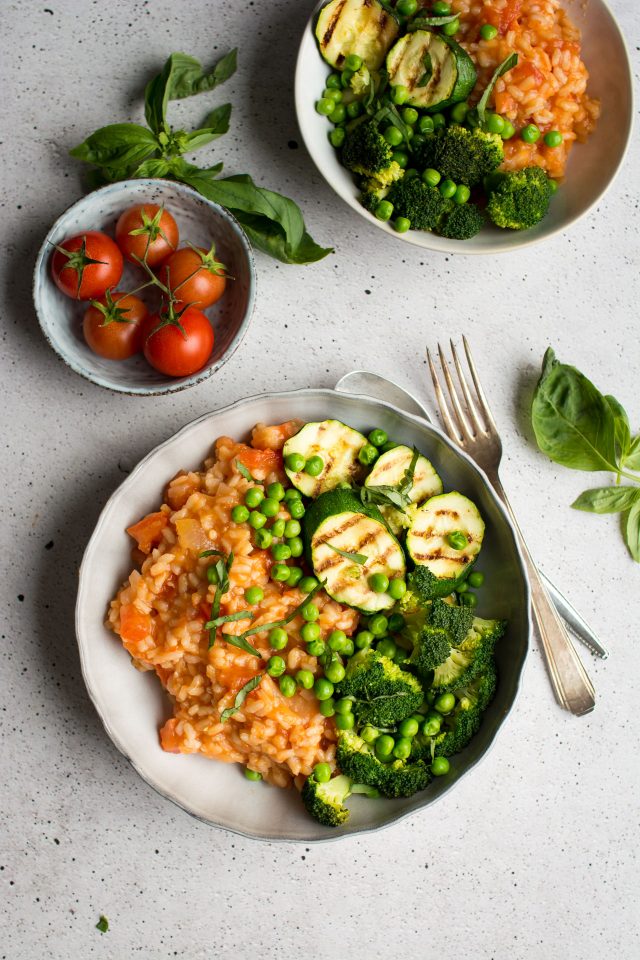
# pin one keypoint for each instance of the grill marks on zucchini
(427, 541)
(336, 444)
(389, 470)
(453, 74)
(362, 27)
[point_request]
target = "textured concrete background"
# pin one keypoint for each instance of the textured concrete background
(535, 854)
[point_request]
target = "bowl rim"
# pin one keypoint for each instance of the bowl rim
(131, 479)
(183, 383)
(421, 238)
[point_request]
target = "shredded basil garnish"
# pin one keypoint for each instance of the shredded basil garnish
(229, 618)
(428, 70)
(420, 23)
(241, 696)
(360, 558)
(397, 496)
(222, 567)
(240, 467)
(507, 64)
(276, 623)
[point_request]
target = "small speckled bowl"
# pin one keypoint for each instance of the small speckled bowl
(201, 222)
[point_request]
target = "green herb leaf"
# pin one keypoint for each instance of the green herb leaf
(428, 70)
(621, 426)
(573, 422)
(632, 459)
(182, 76)
(117, 149)
(240, 467)
(384, 495)
(291, 616)
(153, 169)
(102, 925)
(241, 643)
(507, 64)
(632, 531)
(215, 125)
(229, 618)
(406, 484)
(614, 499)
(423, 23)
(241, 696)
(360, 558)
(222, 567)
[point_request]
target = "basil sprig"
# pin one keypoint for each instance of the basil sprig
(397, 496)
(507, 64)
(241, 696)
(222, 567)
(581, 428)
(121, 151)
(359, 558)
(261, 627)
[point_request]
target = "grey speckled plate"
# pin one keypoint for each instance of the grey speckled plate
(201, 222)
(132, 705)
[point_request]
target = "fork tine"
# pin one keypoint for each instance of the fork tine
(465, 426)
(444, 410)
(484, 405)
(473, 411)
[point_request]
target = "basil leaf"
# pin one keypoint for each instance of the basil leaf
(180, 77)
(406, 483)
(384, 496)
(621, 426)
(614, 499)
(154, 169)
(428, 70)
(573, 423)
(241, 696)
(507, 64)
(240, 642)
(120, 148)
(211, 553)
(632, 459)
(423, 23)
(291, 616)
(215, 125)
(103, 924)
(632, 531)
(229, 618)
(360, 558)
(240, 467)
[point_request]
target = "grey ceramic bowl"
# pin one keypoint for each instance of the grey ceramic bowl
(592, 166)
(201, 222)
(132, 705)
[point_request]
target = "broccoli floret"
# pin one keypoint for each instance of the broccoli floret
(426, 586)
(464, 156)
(462, 223)
(358, 761)
(470, 658)
(520, 199)
(366, 151)
(384, 693)
(325, 801)
(433, 629)
(424, 206)
(360, 81)
(456, 621)
(464, 721)
(432, 648)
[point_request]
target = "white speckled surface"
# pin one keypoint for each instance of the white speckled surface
(535, 855)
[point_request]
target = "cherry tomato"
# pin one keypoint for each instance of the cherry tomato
(173, 352)
(147, 232)
(194, 276)
(113, 325)
(86, 265)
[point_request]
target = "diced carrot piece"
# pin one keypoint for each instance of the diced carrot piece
(134, 625)
(169, 739)
(148, 531)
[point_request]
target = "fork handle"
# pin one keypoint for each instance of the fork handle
(572, 686)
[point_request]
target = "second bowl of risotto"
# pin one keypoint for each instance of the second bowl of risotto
(470, 126)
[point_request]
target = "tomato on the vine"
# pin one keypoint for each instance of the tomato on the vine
(85, 266)
(178, 342)
(113, 325)
(147, 232)
(194, 276)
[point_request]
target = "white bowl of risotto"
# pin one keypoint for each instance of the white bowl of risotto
(166, 715)
(573, 76)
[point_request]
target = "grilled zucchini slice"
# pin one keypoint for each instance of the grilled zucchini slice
(428, 544)
(363, 27)
(389, 470)
(337, 523)
(338, 447)
(436, 71)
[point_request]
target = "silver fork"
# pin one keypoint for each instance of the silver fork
(473, 428)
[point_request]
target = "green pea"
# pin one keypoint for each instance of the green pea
(316, 648)
(295, 575)
(332, 94)
(409, 727)
(212, 574)
(280, 572)
(387, 648)
(307, 584)
(488, 31)
(354, 109)
(393, 136)
(553, 138)
(337, 640)
(240, 514)
(334, 671)
(431, 177)
(276, 666)
(345, 705)
(399, 94)
(451, 28)
(291, 494)
(462, 587)
(310, 612)
(378, 582)
(447, 189)
(287, 686)
(378, 625)
(441, 9)
(384, 210)
(296, 509)
(530, 133)
(280, 551)
(254, 496)
(508, 130)
(494, 123)
(401, 224)
(384, 746)
(296, 546)
(459, 112)
(345, 78)
(254, 595)
(278, 638)
(310, 632)
(389, 445)
(314, 466)
(439, 120)
(397, 588)
(324, 106)
(402, 749)
(305, 679)
(353, 62)
(396, 623)
(348, 648)
(323, 688)
(368, 454)
(445, 703)
(469, 599)
(369, 734)
(326, 708)
(338, 114)
(475, 579)
(425, 125)
(295, 461)
(269, 507)
(462, 193)
(440, 766)
(553, 184)
(377, 437)
(363, 639)
(410, 115)
(257, 519)
(457, 540)
(432, 724)
(333, 81)
(472, 119)
(322, 772)
(277, 528)
(252, 774)
(407, 8)
(345, 721)
(401, 157)
(275, 491)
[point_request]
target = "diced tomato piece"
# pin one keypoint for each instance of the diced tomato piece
(504, 17)
(274, 437)
(260, 461)
(524, 70)
(148, 531)
(163, 673)
(134, 625)
(169, 739)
